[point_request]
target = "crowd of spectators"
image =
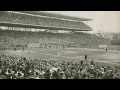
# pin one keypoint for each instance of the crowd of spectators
(52, 40)
(42, 21)
(23, 68)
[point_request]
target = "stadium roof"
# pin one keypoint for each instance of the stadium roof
(42, 22)
(55, 15)
(41, 27)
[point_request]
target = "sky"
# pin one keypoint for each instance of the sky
(104, 21)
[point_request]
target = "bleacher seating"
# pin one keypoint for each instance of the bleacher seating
(42, 21)
(22, 38)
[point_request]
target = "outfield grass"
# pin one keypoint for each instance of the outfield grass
(76, 54)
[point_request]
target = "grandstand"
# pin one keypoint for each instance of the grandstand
(37, 21)
(26, 20)
(57, 37)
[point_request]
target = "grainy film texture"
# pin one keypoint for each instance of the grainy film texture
(59, 45)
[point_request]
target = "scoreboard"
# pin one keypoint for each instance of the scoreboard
(33, 45)
(102, 46)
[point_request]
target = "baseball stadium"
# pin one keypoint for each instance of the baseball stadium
(42, 45)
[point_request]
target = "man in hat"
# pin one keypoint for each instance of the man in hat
(92, 62)
(67, 73)
(19, 75)
(106, 49)
(14, 48)
(47, 74)
(23, 49)
(55, 75)
(85, 57)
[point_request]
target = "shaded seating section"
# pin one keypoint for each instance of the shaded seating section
(22, 38)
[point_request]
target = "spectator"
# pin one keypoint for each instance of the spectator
(106, 49)
(23, 68)
(86, 57)
(14, 49)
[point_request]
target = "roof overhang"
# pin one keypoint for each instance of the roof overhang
(41, 27)
(57, 16)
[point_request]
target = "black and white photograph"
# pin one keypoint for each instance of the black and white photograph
(59, 44)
